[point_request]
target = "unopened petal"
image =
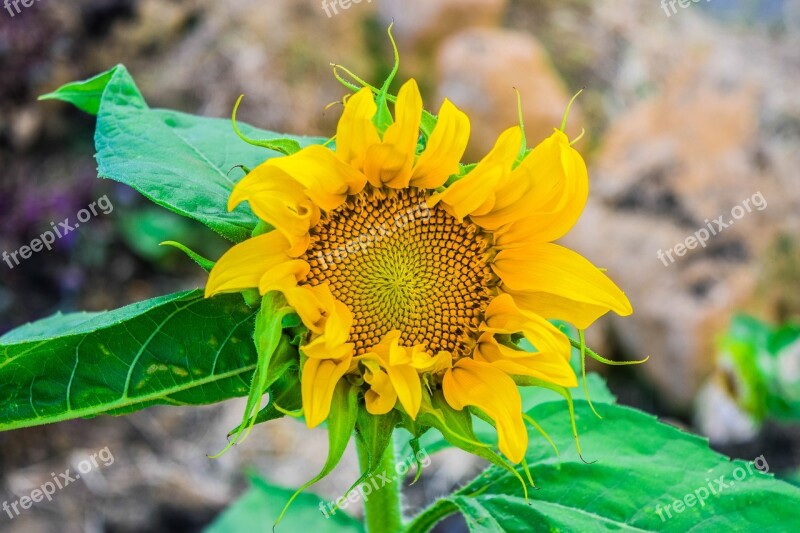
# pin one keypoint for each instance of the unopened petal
(318, 382)
(444, 150)
(473, 383)
(243, 266)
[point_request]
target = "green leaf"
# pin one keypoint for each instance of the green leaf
(259, 507)
(85, 95)
(180, 349)
(181, 162)
(639, 466)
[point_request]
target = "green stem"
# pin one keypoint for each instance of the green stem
(382, 509)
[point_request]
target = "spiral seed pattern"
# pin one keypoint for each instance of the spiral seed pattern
(398, 264)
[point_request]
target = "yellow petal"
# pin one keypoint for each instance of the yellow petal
(475, 193)
(312, 304)
(423, 362)
(381, 396)
(553, 269)
(332, 343)
(243, 265)
(554, 307)
(489, 389)
(547, 366)
(281, 202)
(356, 132)
(283, 275)
(444, 149)
(406, 383)
(318, 382)
(543, 197)
(390, 162)
(503, 316)
(326, 179)
(395, 361)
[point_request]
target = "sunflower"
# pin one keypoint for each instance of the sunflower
(413, 274)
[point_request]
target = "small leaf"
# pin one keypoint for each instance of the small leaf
(86, 94)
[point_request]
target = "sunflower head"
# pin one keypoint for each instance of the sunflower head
(412, 276)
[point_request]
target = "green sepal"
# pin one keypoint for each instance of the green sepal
(416, 449)
(599, 358)
(261, 228)
(524, 381)
(463, 171)
(456, 428)
(267, 337)
(341, 424)
(205, 264)
(375, 434)
(284, 395)
(429, 120)
(383, 118)
(283, 145)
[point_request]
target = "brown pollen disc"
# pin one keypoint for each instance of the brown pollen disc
(399, 264)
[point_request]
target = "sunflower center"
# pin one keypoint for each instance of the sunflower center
(400, 265)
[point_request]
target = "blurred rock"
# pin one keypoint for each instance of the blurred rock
(718, 417)
(26, 124)
(420, 25)
(704, 143)
(478, 70)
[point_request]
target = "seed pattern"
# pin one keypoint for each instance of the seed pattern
(398, 264)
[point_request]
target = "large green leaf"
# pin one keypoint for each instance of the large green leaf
(260, 506)
(180, 349)
(639, 466)
(182, 162)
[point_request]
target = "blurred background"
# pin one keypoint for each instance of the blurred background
(689, 112)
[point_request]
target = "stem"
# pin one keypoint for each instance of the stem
(382, 510)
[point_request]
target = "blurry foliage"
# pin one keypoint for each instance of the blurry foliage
(764, 367)
(144, 229)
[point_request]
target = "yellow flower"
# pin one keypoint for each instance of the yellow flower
(412, 285)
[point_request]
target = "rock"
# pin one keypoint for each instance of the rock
(702, 145)
(419, 25)
(478, 70)
(26, 125)
(719, 417)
